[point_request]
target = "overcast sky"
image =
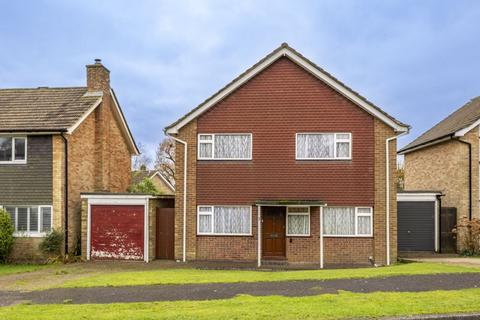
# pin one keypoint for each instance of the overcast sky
(418, 60)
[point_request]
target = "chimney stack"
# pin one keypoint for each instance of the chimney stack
(98, 77)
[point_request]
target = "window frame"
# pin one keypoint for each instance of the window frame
(298, 214)
(212, 226)
(335, 141)
(28, 233)
(212, 142)
(13, 160)
(357, 214)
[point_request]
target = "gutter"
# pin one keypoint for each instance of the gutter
(185, 161)
(469, 145)
(65, 143)
(387, 181)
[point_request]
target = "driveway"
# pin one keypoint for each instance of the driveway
(225, 291)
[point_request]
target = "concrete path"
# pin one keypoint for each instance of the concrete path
(229, 290)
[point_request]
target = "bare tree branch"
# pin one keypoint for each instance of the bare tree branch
(165, 159)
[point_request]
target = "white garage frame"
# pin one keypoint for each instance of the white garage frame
(121, 199)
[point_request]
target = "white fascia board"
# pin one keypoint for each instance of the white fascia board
(85, 115)
(307, 66)
(423, 196)
(464, 131)
(164, 180)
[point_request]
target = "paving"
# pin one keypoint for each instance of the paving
(151, 293)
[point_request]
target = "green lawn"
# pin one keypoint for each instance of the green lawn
(6, 269)
(328, 306)
(184, 276)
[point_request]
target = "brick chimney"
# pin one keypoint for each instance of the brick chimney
(98, 77)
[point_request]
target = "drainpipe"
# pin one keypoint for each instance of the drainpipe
(65, 143)
(185, 145)
(387, 176)
(469, 145)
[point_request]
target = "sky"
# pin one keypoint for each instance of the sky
(417, 60)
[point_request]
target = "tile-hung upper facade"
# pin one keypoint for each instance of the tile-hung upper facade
(282, 150)
(58, 139)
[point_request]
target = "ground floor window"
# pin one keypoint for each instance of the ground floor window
(347, 221)
(298, 221)
(30, 220)
(224, 220)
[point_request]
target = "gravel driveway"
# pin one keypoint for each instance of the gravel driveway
(229, 290)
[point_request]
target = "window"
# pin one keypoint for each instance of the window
(13, 149)
(225, 220)
(324, 146)
(347, 221)
(298, 221)
(30, 220)
(225, 146)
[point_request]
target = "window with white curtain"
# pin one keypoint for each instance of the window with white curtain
(298, 221)
(347, 221)
(324, 146)
(224, 220)
(30, 220)
(225, 146)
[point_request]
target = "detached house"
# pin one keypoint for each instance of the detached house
(286, 163)
(54, 144)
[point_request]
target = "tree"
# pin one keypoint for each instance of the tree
(165, 159)
(145, 186)
(142, 160)
(6, 235)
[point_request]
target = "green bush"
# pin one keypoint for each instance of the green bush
(52, 243)
(145, 186)
(6, 235)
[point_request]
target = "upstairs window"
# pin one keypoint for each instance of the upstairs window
(225, 146)
(30, 220)
(324, 146)
(13, 149)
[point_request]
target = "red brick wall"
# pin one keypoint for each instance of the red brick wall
(279, 102)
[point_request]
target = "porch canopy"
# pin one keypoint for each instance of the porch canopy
(272, 203)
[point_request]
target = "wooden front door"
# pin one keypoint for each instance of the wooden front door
(165, 233)
(448, 239)
(273, 232)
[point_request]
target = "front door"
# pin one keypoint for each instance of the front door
(165, 233)
(273, 232)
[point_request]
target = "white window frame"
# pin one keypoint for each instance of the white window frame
(335, 141)
(212, 142)
(13, 160)
(212, 233)
(28, 233)
(298, 214)
(357, 214)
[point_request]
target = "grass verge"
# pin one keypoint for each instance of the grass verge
(186, 276)
(329, 306)
(6, 269)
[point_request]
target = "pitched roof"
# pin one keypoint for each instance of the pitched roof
(44, 109)
(292, 54)
(139, 175)
(456, 124)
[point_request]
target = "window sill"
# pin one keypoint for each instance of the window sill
(298, 236)
(12, 162)
(29, 234)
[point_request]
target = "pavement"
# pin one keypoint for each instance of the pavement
(414, 283)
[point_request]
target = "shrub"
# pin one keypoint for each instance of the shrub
(468, 233)
(6, 235)
(52, 243)
(145, 186)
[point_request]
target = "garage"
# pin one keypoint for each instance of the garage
(117, 227)
(418, 221)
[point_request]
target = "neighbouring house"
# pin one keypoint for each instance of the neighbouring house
(280, 151)
(54, 144)
(159, 180)
(446, 158)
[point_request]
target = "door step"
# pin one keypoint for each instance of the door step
(274, 262)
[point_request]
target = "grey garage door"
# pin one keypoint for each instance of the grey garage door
(416, 226)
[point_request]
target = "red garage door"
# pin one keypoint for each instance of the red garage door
(117, 232)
